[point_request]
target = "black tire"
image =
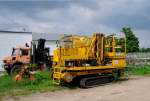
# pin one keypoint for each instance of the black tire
(16, 69)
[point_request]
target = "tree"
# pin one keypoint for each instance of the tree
(144, 49)
(132, 41)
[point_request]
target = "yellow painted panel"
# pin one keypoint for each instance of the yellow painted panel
(90, 68)
(56, 57)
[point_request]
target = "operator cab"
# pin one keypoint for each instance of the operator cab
(115, 46)
(21, 54)
(115, 50)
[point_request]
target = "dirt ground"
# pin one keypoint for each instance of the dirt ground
(135, 89)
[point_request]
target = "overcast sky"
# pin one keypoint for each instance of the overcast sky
(78, 16)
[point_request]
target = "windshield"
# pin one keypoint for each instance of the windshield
(24, 52)
(15, 52)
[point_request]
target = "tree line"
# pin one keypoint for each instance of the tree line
(132, 41)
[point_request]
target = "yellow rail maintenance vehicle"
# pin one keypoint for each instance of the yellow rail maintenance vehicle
(91, 60)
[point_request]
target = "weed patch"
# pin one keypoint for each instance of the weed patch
(138, 70)
(42, 83)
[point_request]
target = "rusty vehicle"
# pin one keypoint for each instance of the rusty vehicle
(19, 56)
(37, 54)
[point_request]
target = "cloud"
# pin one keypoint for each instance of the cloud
(79, 16)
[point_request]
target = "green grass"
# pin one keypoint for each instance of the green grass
(42, 83)
(140, 70)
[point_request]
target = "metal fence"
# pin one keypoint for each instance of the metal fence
(138, 58)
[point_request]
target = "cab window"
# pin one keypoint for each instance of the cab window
(24, 52)
(15, 52)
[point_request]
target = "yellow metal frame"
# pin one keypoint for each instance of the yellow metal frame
(83, 49)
